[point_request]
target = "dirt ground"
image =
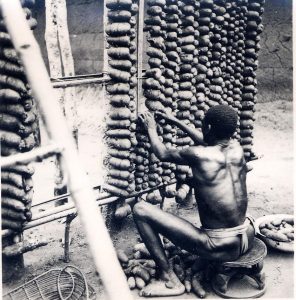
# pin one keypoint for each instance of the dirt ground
(270, 188)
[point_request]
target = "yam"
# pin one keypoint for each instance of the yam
(151, 83)
(153, 20)
(12, 204)
(118, 4)
(119, 15)
(12, 178)
(10, 82)
(119, 53)
(118, 75)
(9, 54)
(12, 214)
(25, 170)
(140, 283)
(154, 10)
(119, 41)
(119, 99)
(122, 211)
(11, 68)
(155, 52)
(122, 257)
(121, 113)
(11, 224)
(116, 191)
(9, 96)
(277, 236)
(154, 62)
(197, 287)
(131, 282)
(118, 88)
(141, 272)
(124, 65)
(117, 182)
(120, 144)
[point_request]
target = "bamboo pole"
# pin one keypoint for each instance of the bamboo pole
(100, 243)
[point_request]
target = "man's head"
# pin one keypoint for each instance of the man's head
(220, 122)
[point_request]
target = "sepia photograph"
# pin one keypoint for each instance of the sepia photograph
(146, 149)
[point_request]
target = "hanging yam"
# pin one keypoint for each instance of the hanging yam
(12, 204)
(118, 75)
(119, 53)
(9, 54)
(123, 175)
(118, 4)
(8, 138)
(151, 83)
(120, 144)
(118, 182)
(120, 41)
(9, 96)
(124, 65)
(10, 82)
(120, 113)
(11, 68)
(13, 215)
(11, 224)
(154, 105)
(14, 110)
(154, 10)
(119, 15)
(12, 178)
(118, 133)
(118, 88)
(119, 100)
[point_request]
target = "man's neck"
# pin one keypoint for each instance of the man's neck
(220, 142)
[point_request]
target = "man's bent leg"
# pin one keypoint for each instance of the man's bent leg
(151, 221)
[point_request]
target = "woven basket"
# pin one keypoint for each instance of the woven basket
(68, 283)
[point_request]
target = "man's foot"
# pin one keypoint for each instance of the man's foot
(163, 287)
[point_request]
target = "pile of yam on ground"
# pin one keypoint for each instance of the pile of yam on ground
(140, 269)
(18, 130)
(279, 229)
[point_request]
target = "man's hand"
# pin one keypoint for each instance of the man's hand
(167, 116)
(148, 120)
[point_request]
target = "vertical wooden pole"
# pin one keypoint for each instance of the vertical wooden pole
(140, 42)
(67, 66)
(55, 71)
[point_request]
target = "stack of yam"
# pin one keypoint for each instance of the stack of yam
(18, 130)
(253, 28)
(121, 124)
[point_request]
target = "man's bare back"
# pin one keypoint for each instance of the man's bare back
(219, 180)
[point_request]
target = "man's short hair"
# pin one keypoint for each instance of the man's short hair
(223, 120)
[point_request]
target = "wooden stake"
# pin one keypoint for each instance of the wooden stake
(55, 71)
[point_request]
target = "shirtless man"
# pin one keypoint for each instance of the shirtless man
(219, 180)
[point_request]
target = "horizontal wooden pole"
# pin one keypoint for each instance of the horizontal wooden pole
(35, 155)
(64, 83)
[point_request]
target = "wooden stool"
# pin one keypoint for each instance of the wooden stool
(249, 265)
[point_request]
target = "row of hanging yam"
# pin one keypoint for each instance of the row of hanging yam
(18, 130)
(121, 49)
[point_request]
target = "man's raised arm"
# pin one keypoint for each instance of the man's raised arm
(195, 134)
(158, 148)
